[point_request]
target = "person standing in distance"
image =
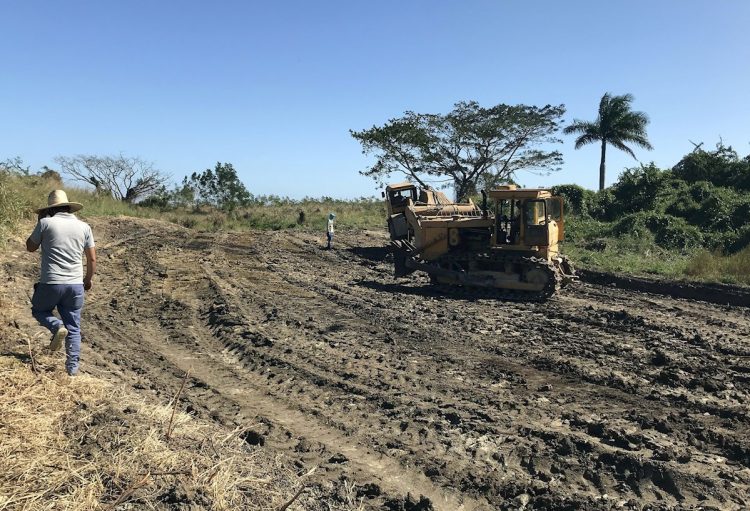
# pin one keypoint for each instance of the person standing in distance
(329, 230)
(64, 239)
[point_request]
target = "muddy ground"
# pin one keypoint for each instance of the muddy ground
(600, 398)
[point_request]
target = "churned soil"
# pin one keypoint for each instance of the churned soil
(600, 398)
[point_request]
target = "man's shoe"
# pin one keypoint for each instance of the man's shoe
(57, 339)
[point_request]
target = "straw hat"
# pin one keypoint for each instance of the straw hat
(57, 199)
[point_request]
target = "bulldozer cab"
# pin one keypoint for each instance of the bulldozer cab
(397, 197)
(528, 220)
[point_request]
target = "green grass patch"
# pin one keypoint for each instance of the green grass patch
(628, 256)
(635, 248)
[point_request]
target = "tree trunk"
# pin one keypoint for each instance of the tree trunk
(458, 190)
(464, 189)
(602, 166)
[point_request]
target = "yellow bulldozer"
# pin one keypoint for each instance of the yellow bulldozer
(511, 246)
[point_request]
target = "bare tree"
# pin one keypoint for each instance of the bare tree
(15, 166)
(123, 177)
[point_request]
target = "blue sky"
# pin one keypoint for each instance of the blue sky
(274, 87)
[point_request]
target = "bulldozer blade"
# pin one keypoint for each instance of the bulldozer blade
(400, 255)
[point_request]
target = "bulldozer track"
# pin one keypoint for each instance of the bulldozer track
(552, 286)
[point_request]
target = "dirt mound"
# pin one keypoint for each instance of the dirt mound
(601, 398)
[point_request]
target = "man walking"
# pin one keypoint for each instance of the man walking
(64, 239)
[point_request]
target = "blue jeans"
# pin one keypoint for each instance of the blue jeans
(329, 235)
(68, 298)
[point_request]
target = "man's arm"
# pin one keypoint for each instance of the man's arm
(90, 266)
(31, 246)
(35, 240)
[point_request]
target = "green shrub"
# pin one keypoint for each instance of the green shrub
(673, 232)
(580, 229)
(628, 255)
(721, 167)
(717, 211)
(576, 199)
(688, 205)
(740, 240)
(640, 189)
(161, 200)
(603, 206)
(220, 188)
(668, 231)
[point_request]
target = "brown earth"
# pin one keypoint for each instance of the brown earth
(600, 398)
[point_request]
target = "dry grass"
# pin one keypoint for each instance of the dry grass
(12, 206)
(83, 444)
(87, 444)
(714, 266)
(20, 195)
(307, 214)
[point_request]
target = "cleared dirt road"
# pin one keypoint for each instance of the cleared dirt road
(597, 399)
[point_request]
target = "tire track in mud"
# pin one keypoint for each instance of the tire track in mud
(190, 344)
(391, 475)
(554, 404)
(711, 390)
(600, 435)
(733, 453)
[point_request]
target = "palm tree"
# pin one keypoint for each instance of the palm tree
(616, 124)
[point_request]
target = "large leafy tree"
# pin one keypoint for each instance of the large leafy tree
(469, 145)
(220, 187)
(616, 125)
